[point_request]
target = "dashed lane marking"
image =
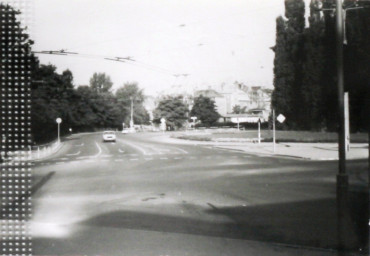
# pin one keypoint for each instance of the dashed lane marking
(79, 145)
(134, 159)
(147, 159)
(106, 155)
(177, 158)
(118, 160)
(163, 158)
(63, 158)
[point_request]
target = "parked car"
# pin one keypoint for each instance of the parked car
(109, 136)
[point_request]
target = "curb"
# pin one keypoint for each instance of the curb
(278, 155)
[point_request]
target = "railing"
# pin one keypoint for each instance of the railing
(41, 151)
(30, 152)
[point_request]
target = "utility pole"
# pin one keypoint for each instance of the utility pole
(132, 114)
(273, 129)
(342, 177)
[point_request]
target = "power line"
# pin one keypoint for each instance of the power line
(127, 60)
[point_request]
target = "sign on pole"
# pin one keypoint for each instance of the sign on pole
(58, 120)
(281, 118)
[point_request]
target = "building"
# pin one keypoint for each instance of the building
(255, 100)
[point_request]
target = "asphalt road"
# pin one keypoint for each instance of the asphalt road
(143, 197)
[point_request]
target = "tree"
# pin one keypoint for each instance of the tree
(101, 83)
(124, 95)
(205, 110)
(313, 65)
(173, 109)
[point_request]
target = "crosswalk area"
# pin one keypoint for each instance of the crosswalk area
(136, 158)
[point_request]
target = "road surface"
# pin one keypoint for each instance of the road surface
(139, 196)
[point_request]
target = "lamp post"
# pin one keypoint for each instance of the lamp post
(58, 120)
(132, 113)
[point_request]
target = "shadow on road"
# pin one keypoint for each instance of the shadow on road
(306, 223)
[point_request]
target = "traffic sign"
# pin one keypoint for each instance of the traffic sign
(59, 120)
(281, 118)
(163, 120)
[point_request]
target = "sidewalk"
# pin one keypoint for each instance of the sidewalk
(309, 151)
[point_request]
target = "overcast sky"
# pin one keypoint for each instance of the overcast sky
(212, 41)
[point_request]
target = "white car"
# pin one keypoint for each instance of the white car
(109, 136)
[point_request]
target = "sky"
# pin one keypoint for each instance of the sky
(192, 43)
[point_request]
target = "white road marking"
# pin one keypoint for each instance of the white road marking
(121, 151)
(79, 145)
(135, 146)
(82, 157)
(118, 160)
(177, 157)
(106, 155)
(163, 158)
(74, 154)
(134, 159)
(59, 162)
(183, 151)
(99, 148)
(64, 158)
(147, 159)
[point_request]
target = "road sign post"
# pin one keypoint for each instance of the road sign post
(281, 119)
(58, 120)
(259, 131)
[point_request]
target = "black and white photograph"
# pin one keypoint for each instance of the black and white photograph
(184, 127)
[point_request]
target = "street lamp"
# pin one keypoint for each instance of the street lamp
(58, 120)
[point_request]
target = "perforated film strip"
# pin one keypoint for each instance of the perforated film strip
(15, 127)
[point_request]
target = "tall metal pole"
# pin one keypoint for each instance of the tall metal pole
(342, 178)
(132, 114)
(273, 128)
(58, 132)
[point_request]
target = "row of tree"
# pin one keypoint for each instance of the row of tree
(85, 108)
(305, 66)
